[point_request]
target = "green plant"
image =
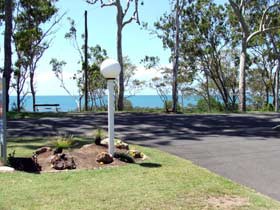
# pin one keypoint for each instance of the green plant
(127, 105)
(99, 135)
(267, 108)
(168, 106)
(10, 158)
(64, 142)
(124, 157)
(202, 105)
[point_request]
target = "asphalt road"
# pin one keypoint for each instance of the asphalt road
(243, 148)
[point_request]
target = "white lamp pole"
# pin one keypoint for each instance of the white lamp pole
(110, 69)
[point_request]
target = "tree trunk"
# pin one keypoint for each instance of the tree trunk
(266, 96)
(242, 81)
(176, 62)
(86, 63)
(18, 93)
(120, 58)
(8, 49)
(32, 90)
(276, 99)
(208, 93)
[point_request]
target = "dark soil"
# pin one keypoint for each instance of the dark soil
(24, 164)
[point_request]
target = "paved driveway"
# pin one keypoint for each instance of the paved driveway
(243, 148)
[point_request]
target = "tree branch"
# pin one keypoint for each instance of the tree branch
(135, 15)
(262, 23)
(113, 3)
(238, 12)
(261, 31)
(49, 29)
(127, 8)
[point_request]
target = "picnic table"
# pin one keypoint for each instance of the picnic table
(55, 107)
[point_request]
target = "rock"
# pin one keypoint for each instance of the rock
(118, 143)
(121, 145)
(42, 150)
(63, 161)
(135, 153)
(104, 141)
(104, 157)
(6, 169)
(86, 146)
(58, 150)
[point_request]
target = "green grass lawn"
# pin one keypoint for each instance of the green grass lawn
(162, 182)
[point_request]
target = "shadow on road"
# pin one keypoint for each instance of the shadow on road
(162, 128)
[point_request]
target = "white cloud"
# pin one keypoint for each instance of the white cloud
(48, 84)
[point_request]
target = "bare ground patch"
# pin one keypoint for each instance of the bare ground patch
(227, 202)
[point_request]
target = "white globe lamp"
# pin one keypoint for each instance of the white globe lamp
(110, 69)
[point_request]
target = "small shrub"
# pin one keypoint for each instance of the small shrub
(98, 136)
(168, 106)
(127, 105)
(124, 157)
(202, 105)
(64, 142)
(267, 108)
(10, 158)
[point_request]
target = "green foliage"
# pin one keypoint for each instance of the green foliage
(64, 142)
(99, 135)
(10, 158)
(124, 157)
(168, 106)
(202, 105)
(268, 108)
(127, 105)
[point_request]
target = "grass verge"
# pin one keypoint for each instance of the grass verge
(163, 181)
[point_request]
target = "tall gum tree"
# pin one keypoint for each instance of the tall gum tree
(260, 12)
(31, 37)
(8, 48)
(122, 20)
(169, 29)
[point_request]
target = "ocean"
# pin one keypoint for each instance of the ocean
(67, 103)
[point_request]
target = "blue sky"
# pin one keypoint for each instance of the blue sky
(102, 30)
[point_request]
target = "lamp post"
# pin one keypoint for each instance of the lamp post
(110, 69)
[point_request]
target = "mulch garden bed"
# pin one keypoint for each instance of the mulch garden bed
(46, 159)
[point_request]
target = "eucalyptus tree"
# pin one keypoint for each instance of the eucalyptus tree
(132, 85)
(169, 30)
(263, 61)
(206, 48)
(251, 18)
(72, 35)
(31, 34)
(123, 17)
(96, 82)
(275, 41)
(8, 8)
